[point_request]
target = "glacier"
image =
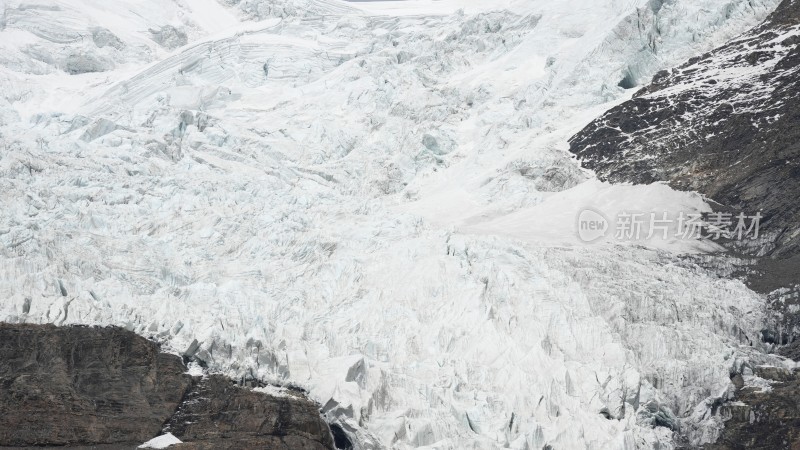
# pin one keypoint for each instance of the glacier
(373, 201)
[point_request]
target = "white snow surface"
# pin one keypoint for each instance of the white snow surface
(163, 441)
(372, 201)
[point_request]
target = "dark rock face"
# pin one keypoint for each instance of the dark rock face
(726, 124)
(217, 414)
(764, 420)
(67, 386)
(85, 387)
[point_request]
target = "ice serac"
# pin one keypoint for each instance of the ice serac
(726, 124)
(373, 201)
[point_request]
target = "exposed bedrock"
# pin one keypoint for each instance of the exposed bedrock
(763, 418)
(725, 124)
(108, 387)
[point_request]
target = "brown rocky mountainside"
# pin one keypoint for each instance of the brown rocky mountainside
(90, 387)
(763, 419)
(725, 124)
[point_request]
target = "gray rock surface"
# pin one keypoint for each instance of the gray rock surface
(761, 419)
(90, 387)
(217, 414)
(725, 124)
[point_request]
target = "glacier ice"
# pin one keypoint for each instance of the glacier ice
(163, 441)
(372, 201)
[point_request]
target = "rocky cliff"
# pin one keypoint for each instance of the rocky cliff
(725, 124)
(110, 388)
(763, 418)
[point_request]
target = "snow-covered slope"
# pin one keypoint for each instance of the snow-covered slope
(350, 197)
(739, 145)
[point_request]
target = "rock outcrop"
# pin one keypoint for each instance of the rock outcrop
(725, 124)
(767, 419)
(110, 388)
(217, 414)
